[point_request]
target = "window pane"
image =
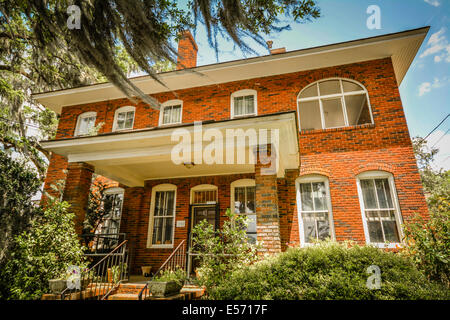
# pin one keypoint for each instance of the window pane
(350, 86)
(309, 229)
(239, 200)
(157, 231)
(238, 106)
(250, 104)
(129, 120)
(323, 229)
(329, 87)
(320, 194)
(310, 115)
(332, 112)
(390, 231)
(357, 109)
(250, 200)
(168, 223)
(306, 196)
(310, 92)
(368, 194)
(382, 200)
(375, 233)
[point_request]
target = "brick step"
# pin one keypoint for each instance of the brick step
(123, 296)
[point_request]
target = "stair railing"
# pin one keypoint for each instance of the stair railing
(102, 278)
(176, 260)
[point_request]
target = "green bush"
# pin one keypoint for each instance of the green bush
(329, 271)
(178, 275)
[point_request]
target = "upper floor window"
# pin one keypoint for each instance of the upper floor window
(379, 208)
(171, 112)
(243, 103)
(85, 123)
(314, 207)
(124, 118)
(333, 103)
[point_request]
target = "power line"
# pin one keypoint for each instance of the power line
(437, 127)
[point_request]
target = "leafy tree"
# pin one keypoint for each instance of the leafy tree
(17, 186)
(221, 252)
(43, 253)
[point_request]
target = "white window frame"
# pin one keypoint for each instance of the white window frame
(161, 187)
(241, 184)
(244, 93)
(166, 104)
(312, 179)
(340, 95)
(117, 190)
(88, 114)
(204, 187)
(120, 110)
(397, 212)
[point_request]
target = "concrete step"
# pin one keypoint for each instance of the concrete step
(123, 296)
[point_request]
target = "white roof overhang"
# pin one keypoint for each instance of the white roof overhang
(402, 47)
(135, 156)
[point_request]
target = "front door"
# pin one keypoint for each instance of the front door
(200, 213)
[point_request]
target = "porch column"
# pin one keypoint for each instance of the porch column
(76, 191)
(266, 198)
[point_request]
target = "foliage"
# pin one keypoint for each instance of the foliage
(223, 251)
(145, 29)
(44, 252)
(117, 271)
(329, 271)
(17, 186)
(98, 207)
(428, 244)
(178, 275)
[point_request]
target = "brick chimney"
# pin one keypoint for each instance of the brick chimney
(187, 51)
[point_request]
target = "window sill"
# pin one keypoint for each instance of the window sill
(161, 246)
(386, 245)
(316, 131)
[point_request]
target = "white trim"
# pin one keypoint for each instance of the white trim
(310, 179)
(341, 95)
(166, 104)
(243, 93)
(161, 187)
(398, 216)
(114, 190)
(204, 187)
(88, 114)
(120, 110)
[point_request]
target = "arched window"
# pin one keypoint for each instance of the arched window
(162, 216)
(244, 103)
(333, 103)
(379, 208)
(204, 194)
(243, 202)
(314, 209)
(85, 123)
(171, 112)
(124, 118)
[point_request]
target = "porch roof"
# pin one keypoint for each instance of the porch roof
(135, 156)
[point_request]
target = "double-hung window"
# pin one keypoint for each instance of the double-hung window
(171, 112)
(243, 202)
(314, 205)
(124, 118)
(379, 208)
(163, 216)
(243, 103)
(85, 123)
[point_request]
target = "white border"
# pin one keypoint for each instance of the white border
(308, 179)
(398, 216)
(124, 109)
(170, 103)
(161, 187)
(242, 93)
(204, 187)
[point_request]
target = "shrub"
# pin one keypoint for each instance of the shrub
(44, 252)
(429, 244)
(178, 275)
(329, 271)
(222, 252)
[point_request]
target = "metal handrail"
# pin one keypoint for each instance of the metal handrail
(169, 258)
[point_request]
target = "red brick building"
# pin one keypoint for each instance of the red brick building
(344, 165)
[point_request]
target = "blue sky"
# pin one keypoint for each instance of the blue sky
(425, 90)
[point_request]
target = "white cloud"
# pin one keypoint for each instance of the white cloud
(438, 46)
(440, 139)
(426, 87)
(435, 3)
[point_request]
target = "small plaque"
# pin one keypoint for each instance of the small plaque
(181, 223)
